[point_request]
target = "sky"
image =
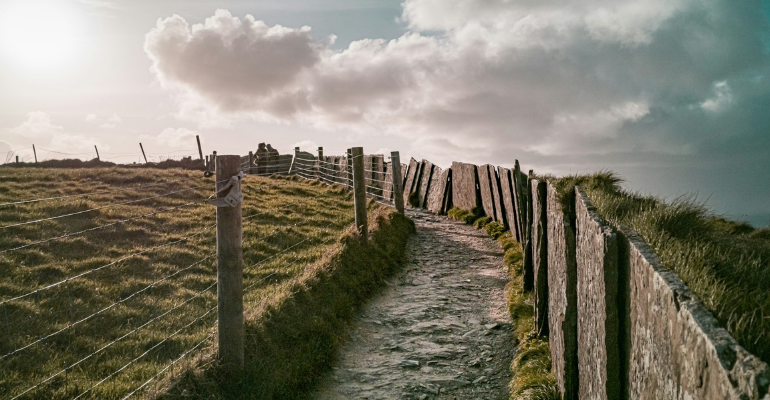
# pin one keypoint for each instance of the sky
(673, 95)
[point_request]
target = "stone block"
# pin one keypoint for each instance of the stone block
(677, 348)
(465, 186)
(497, 196)
(411, 177)
(598, 330)
(520, 184)
(403, 175)
(540, 255)
(485, 188)
(562, 294)
(387, 184)
(506, 189)
(426, 175)
(437, 191)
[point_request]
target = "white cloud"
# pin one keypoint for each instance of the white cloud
(722, 98)
(179, 137)
(112, 121)
(91, 118)
(45, 132)
(545, 76)
(38, 124)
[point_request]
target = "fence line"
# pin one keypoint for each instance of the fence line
(114, 341)
(101, 226)
(99, 208)
(123, 300)
(80, 275)
(306, 169)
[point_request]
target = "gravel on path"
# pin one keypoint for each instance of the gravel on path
(440, 330)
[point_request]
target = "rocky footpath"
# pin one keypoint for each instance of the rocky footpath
(440, 330)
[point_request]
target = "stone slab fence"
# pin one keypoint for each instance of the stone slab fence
(619, 324)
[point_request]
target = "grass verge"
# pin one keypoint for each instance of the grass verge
(725, 263)
(293, 336)
(531, 368)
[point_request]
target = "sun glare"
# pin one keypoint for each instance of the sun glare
(40, 35)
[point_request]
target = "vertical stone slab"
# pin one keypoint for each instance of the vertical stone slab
(527, 249)
(540, 255)
(677, 350)
(411, 177)
(426, 175)
(368, 171)
(387, 185)
(464, 186)
(597, 304)
(404, 168)
(448, 194)
(521, 193)
(437, 190)
(506, 189)
(485, 187)
(562, 296)
(497, 196)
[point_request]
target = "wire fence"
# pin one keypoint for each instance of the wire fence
(111, 324)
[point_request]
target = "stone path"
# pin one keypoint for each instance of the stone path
(439, 331)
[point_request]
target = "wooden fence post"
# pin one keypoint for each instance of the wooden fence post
(17, 159)
(251, 162)
(200, 150)
(97, 154)
(359, 191)
(35, 152)
(143, 155)
(229, 269)
(398, 191)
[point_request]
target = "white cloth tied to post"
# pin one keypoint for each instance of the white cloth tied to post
(233, 198)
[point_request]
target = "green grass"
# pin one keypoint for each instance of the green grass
(725, 263)
(531, 368)
(282, 213)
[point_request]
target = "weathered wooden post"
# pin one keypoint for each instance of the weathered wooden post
(320, 153)
(200, 150)
(398, 190)
(251, 162)
(229, 268)
(207, 162)
(356, 155)
(97, 154)
(319, 163)
(143, 155)
(17, 159)
(35, 152)
(214, 159)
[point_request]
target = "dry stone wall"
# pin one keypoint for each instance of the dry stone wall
(464, 186)
(437, 191)
(677, 348)
(597, 304)
(485, 188)
(497, 196)
(426, 174)
(562, 293)
(411, 177)
(539, 238)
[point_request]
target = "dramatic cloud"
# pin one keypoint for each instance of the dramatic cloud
(178, 137)
(543, 78)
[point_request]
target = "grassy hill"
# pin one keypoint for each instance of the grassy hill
(125, 284)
